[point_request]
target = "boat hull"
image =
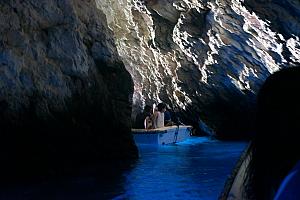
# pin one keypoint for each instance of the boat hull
(165, 135)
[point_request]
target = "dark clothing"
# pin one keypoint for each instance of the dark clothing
(176, 118)
(289, 188)
(140, 119)
(167, 117)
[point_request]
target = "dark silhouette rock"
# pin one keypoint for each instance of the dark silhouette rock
(65, 95)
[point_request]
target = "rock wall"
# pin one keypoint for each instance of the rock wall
(206, 57)
(65, 95)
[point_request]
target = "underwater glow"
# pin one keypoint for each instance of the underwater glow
(194, 169)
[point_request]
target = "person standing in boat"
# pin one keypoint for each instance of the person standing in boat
(159, 116)
(143, 120)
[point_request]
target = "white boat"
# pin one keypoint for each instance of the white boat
(165, 135)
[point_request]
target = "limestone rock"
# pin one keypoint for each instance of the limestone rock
(65, 95)
(208, 58)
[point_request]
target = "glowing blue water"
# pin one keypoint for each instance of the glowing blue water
(195, 169)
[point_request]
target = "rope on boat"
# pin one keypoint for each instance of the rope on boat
(176, 134)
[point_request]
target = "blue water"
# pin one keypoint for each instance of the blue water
(195, 169)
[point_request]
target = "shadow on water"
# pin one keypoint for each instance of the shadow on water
(194, 169)
(101, 181)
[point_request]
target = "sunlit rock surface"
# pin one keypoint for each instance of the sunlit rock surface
(65, 95)
(209, 58)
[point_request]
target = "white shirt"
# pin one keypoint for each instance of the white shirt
(159, 120)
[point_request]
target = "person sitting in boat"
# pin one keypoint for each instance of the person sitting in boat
(148, 123)
(176, 117)
(168, 117)
(143, 120)
(159, 116)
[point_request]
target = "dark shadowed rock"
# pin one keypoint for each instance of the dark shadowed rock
(284, 17)
(65, 96)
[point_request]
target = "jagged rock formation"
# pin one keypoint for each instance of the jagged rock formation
(207, 57)
(65, 96)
